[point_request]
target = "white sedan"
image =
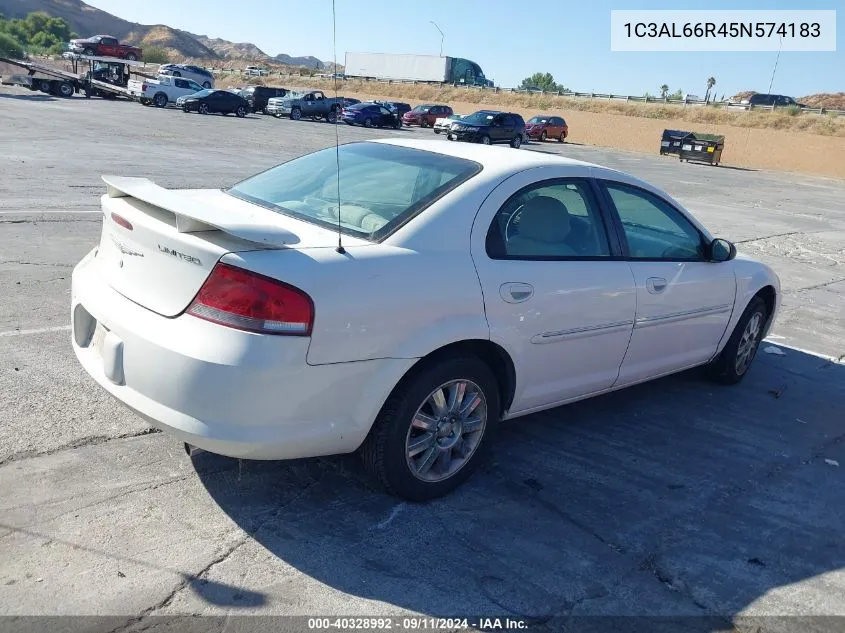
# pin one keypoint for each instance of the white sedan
(454, 286)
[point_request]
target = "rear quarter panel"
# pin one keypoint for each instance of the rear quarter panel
(410, 295)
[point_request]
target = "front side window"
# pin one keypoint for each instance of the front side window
(382, 186)
(549, 220)
(653, 228)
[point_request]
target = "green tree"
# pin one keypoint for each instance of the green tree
(9, 46)
(156, 55)
(664, 90)
(542, 81)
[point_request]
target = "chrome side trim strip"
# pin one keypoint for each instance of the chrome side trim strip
(682, 316)
(580, 332)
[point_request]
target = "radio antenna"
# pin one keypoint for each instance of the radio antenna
(339, 248)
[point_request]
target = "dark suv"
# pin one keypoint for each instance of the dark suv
(773, 100)
(257, 96)
(396, 107)
(489, 126)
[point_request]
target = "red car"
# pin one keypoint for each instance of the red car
(541, 127)
(425, 115)
(105, 46)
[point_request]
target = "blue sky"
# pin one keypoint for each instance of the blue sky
(509, 40)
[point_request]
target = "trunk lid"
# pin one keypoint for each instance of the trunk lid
(158, 246)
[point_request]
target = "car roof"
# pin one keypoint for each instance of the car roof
(488, 157)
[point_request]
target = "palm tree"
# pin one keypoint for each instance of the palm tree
(664, 90)
(711, 81)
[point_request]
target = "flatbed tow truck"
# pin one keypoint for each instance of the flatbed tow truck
(105, 77)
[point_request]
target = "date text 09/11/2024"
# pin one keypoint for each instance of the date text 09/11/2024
(724, 30)
(421, 623)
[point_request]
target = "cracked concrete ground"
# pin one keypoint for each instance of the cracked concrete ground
(676, 498)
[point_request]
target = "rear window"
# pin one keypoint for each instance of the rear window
(382, 186)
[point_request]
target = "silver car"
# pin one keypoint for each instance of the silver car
(202, 76)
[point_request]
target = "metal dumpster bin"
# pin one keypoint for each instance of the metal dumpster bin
(703, 148)
(670, 142)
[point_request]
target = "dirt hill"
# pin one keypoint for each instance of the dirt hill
(86, 20)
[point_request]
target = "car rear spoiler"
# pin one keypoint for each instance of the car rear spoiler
(256, 224)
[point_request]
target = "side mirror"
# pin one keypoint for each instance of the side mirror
(722, 250)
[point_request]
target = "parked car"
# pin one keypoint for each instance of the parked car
(258, 96)
(396, 107)
(488, 127)
(426, 115)
(265, 343)
(773, 100)
(214, 101)
(202, 76)
(314, 104)
(255, 71)
(370, 115)
(159, 92)
(105, 46)
(544, 126)
(445, 123)
(278, 107)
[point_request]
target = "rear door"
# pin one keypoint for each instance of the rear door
(385, 116)
(501, 129)
(558, 296)
(684, 301)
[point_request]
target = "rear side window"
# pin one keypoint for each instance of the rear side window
(382, 186)
(554, 219)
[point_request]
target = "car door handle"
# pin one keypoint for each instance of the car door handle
(655, 285)
(516, 292)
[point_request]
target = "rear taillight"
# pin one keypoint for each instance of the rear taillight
(248, 301)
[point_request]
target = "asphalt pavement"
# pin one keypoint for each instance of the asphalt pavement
(677, 498)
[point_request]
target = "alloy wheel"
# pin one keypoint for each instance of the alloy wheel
(748, 343)
(446, 430)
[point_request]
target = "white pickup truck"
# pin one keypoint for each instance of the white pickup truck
(159, 92)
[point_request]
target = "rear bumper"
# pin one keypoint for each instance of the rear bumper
(229, 392)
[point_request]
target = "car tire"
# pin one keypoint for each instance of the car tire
(397, 125)
(132, 57)
(734, 361)
(206, 85)
(160, 100)
(331, 117)
(240, 112)
(485, 140)
(423, 123)
(65, 89)
(202, 108)
(89, 52)
(436, 131)
(543, 136)
(388, 451)
(368, 122)
(562, 137)
(296, 114)
(516, 142)
(185, 109)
